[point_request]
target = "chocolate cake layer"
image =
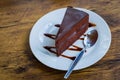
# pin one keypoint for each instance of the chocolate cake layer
(74, 24)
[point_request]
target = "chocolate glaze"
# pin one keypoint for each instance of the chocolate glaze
(52, 36)
(74, 25)
(69, 57)
(57, 25)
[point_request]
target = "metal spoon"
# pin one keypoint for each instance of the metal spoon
(89, 40)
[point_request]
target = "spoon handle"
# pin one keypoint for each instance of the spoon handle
(73, 64)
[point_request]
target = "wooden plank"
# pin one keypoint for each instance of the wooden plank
(17, 18)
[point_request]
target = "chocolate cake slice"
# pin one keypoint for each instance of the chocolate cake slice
(74, 25)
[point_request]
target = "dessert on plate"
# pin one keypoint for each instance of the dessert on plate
(74, 25)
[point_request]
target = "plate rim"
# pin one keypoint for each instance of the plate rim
(110, 36)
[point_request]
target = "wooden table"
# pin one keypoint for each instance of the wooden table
(17, 18)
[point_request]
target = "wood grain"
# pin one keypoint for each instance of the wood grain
(17, 18)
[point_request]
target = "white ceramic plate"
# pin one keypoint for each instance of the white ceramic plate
(46, 25)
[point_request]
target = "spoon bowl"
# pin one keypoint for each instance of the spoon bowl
(90, 39)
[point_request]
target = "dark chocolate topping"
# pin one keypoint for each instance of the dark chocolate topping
(57, 25)
(50, 35)
(74, 25)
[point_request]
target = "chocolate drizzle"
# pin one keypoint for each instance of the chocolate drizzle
(52, 36)
(57, 25)
(75, 48)
(81, 38)
(84, 34)
(49, 48)
(69, 57)
(91, 24)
